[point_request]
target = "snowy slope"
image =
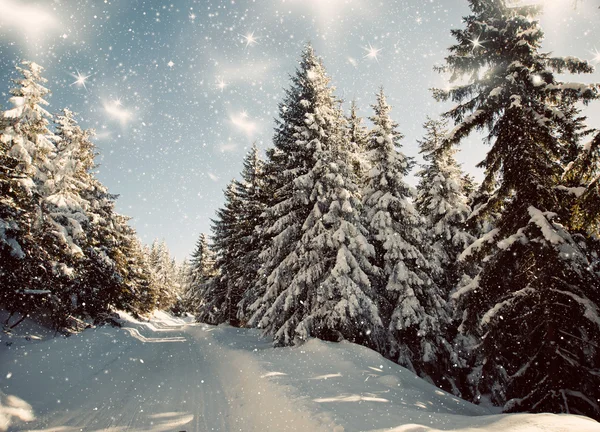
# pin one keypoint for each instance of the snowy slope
(172, 375)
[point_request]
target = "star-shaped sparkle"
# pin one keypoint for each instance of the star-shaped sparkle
(372, 52)
(80, 79)
(170, 64)
(250, 39)
(476, 43)
(221, 84)
(596, 55)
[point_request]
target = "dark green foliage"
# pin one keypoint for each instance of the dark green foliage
(535, 273)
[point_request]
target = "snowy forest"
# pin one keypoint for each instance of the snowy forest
(490, 290)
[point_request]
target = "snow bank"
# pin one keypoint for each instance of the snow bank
(168, 374)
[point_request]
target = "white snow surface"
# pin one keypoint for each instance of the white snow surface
(170, 374)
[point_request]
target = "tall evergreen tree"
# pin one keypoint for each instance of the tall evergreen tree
(65, 213)
(442, 202)
(251, 192)
(26, 145)
(534, 273)
(163, 270)
(134, 287)
(60, 239)
(582, 178)
(289, 159)
(358, 137)
(220, 295)
(317, 262)
(201, 269)
(413, 306)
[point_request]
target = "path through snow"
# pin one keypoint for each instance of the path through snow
(171, 375)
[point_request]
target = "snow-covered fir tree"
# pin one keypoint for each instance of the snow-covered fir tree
(582, 178)
(442, 202)
(413, 307)
(164, 271)
(252, 194)
(220, 295)
(201, 269)
(535, 274)
(135, 289)
(60, 240)
(317, 260)
(65, 207)
(290, 158)
(27, 145)
(358, 136)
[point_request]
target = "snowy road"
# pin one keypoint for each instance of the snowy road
(160, 376)
(168, 375)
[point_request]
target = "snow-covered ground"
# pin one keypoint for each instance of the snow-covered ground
(173, 375)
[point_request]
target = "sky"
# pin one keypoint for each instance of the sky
(178, 91)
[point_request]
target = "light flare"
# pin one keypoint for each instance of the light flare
(372, 52)
(221, 84)
(116, 111)
(242, 122)
(250, 39)
(476, 43)
(80, 79)
(33, 23)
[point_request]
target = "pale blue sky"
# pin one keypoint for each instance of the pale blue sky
(177, 91)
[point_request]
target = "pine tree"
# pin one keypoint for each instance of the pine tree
(133, 287)
(359, 137)
(582, 178)
(65, 214)
(469, 186)
(441, 201)
(201, 269)
(163, 274)
(317, 260)
(251, 192)
(534, 273)
(26, 145)
(220, 295)
(62, 244)
(413, 307)
(289, 159)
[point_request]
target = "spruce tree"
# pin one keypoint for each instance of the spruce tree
(317, 261)
(26, 145)
(251, 192)
(220, 295)
(358, 137)
(62, 244)
(534, 306)
(441, 201)
(289, 159)
(133, 287)
(66, 222)
(163, 274)
(413, 307)
(201, 269)
(582, 182)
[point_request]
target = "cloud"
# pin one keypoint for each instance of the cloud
(32, 22)
(242, 123)
(330, 14)
(116, 111)
(246, 71)
(227, 147)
